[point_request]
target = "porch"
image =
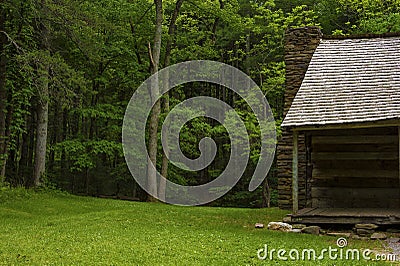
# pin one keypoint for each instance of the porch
(376, 216)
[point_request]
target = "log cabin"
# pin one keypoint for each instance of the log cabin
(338, 157)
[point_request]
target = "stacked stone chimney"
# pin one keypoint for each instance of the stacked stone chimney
(300, 45)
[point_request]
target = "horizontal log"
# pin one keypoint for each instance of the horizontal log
(355, 147)
(353, 173)
(385, 130)
(351, 164)
(348, 212)
(349, 194)
(360, 139)
(362, 203)
(356, 182)
(329, 215)
(354, 156)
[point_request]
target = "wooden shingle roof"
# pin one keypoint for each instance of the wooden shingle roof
(349, 81)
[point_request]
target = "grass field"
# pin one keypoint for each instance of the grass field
(51, 228)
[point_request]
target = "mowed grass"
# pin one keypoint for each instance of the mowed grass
(59, 229)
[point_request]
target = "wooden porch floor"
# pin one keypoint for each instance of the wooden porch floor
(347, 216)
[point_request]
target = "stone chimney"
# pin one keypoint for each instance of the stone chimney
(300, 45)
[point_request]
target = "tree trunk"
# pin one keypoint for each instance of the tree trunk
(42, 108)
(25, 164)
(165, 107)
(155, 114)
(55, 133)
(165, 161)
(42, 111)
(3, 98)
(266, 194)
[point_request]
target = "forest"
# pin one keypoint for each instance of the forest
(69, 68)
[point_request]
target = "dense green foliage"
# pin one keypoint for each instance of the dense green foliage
(56, 229)
(86, 58)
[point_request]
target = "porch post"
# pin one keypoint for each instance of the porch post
(398, 132)
(295, 175)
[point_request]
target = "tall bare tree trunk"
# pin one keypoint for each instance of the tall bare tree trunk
(165, 107)
(155, 114)
(164, 163)
(42, 109)
(3, 98)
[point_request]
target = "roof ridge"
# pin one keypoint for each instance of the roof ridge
(362, 36)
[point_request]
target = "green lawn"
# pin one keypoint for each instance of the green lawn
(56, 229)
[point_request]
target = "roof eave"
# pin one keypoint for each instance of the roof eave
(343, 125)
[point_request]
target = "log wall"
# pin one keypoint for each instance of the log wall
(355, 168)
